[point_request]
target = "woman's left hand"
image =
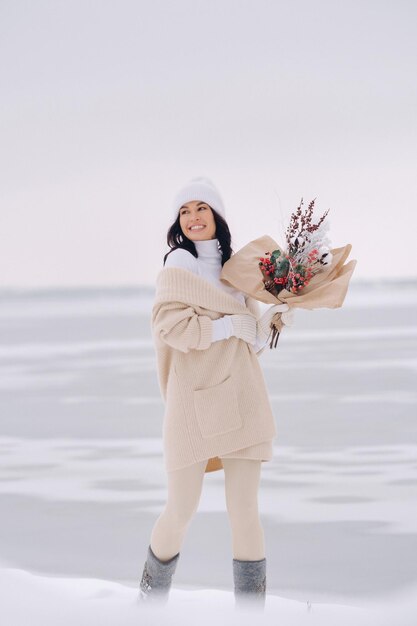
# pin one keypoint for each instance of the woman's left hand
(283, 316)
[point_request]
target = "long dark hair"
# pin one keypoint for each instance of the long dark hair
(176, 239)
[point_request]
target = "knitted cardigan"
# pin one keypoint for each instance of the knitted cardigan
(216, 400)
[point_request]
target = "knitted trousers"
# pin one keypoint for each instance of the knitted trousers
(241, 479)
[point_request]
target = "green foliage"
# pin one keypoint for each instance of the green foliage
(282, 268)
(275, 254)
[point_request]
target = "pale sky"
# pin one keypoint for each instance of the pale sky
(108, 107)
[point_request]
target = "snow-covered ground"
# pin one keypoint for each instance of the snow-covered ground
(34, 600)
(82, 478)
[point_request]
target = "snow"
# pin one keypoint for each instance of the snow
(37, 600)
(82, 478)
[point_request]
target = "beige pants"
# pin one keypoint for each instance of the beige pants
(242, 478)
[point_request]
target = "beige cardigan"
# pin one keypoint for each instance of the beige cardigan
(216, 400)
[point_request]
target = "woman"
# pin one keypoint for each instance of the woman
(208, 337)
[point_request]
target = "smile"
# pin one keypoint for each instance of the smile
(196, 227)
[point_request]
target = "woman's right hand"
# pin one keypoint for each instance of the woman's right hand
(244, 327)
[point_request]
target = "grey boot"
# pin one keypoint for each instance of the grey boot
(250, 584)
(156, 578)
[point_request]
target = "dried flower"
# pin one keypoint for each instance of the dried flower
(308, 250)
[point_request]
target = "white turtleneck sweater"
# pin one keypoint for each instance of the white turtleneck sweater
(209, 266)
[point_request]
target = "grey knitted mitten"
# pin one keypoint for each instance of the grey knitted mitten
(244, 327)
(157, 577)
(250, 583)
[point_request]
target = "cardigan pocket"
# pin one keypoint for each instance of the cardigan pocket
(217, 409)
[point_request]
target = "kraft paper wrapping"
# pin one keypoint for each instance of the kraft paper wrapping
(327, 288)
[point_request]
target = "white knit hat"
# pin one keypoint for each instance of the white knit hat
(202, 189)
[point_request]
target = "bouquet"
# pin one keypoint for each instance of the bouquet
(306, 252)
(306, 274)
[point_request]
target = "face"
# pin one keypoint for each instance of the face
(197, 213)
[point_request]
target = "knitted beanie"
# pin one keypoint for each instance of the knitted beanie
(202, 189)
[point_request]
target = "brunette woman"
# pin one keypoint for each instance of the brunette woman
(208, 338)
